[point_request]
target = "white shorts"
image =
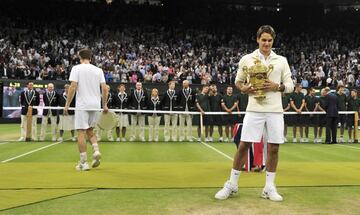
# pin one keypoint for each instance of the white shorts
(66, 123)
(123, 120)
(85, 119)
(256, 122)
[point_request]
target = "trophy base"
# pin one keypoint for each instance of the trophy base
(260, 97)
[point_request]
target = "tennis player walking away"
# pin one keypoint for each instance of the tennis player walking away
(86, 79)
(266, 114)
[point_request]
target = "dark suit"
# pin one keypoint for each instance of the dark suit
(138, 101)
(331, 108)
(154, 118)
(51, 100)
(29, 99)
(62, 103)
(186, 100)
(110, 100)
(168, 101)
(154, 105)
(121, 101)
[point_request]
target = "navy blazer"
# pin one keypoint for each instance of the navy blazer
(331, 105)
(168, 101)
(51, 102)
(62, 103)
(136, 103)
(121, 102)
(182, 100)
(29, 100)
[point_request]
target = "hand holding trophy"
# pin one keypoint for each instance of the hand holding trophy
(258, 76)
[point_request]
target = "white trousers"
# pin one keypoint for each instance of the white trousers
(185, 132)
(138, 121)
(154, 123)
(44, 124)
(33, 127)
(173, 119)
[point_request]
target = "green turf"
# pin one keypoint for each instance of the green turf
(306, 200)
(312, 178)
(16, 197)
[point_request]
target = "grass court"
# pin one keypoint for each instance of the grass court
(171, 178)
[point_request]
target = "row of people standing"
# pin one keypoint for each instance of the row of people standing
(51, 98)
(177, 127)
(328, 102)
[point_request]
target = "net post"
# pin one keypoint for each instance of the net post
(28, 123)
(201, 125)
(356, 126)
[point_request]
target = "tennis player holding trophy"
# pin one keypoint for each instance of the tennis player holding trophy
(263, 75)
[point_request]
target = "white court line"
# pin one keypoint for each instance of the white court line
(32, 151)
(3, 143)
(17, 140)
(352, 147)
(215, 149)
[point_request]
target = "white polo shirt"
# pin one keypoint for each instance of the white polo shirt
(88, 78)
(280, 74)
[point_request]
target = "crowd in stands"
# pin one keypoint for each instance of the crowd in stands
(155, 53)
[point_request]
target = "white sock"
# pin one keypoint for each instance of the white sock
(270, 179)
(83, 157)
(95, 147)
(234, 176)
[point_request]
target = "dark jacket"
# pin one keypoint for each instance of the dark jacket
(51, 101)
(29, 100)
(183, 100)
(62, 103)
(331, 105)
(121, 102)
(154, 105)
(110, 100)
(138, 103)
(169, 102)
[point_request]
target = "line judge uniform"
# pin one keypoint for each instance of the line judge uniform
(168, 103)
(154, 118)
(138, 101)
(186, 102)
(29, 98)
(51, 99)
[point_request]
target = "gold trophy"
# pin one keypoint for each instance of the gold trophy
(258, 74)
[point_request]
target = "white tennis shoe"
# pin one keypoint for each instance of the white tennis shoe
(228, 190)
(271, 193)
(82, 166)
(96, 159)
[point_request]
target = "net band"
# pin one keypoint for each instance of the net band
(166, 112)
